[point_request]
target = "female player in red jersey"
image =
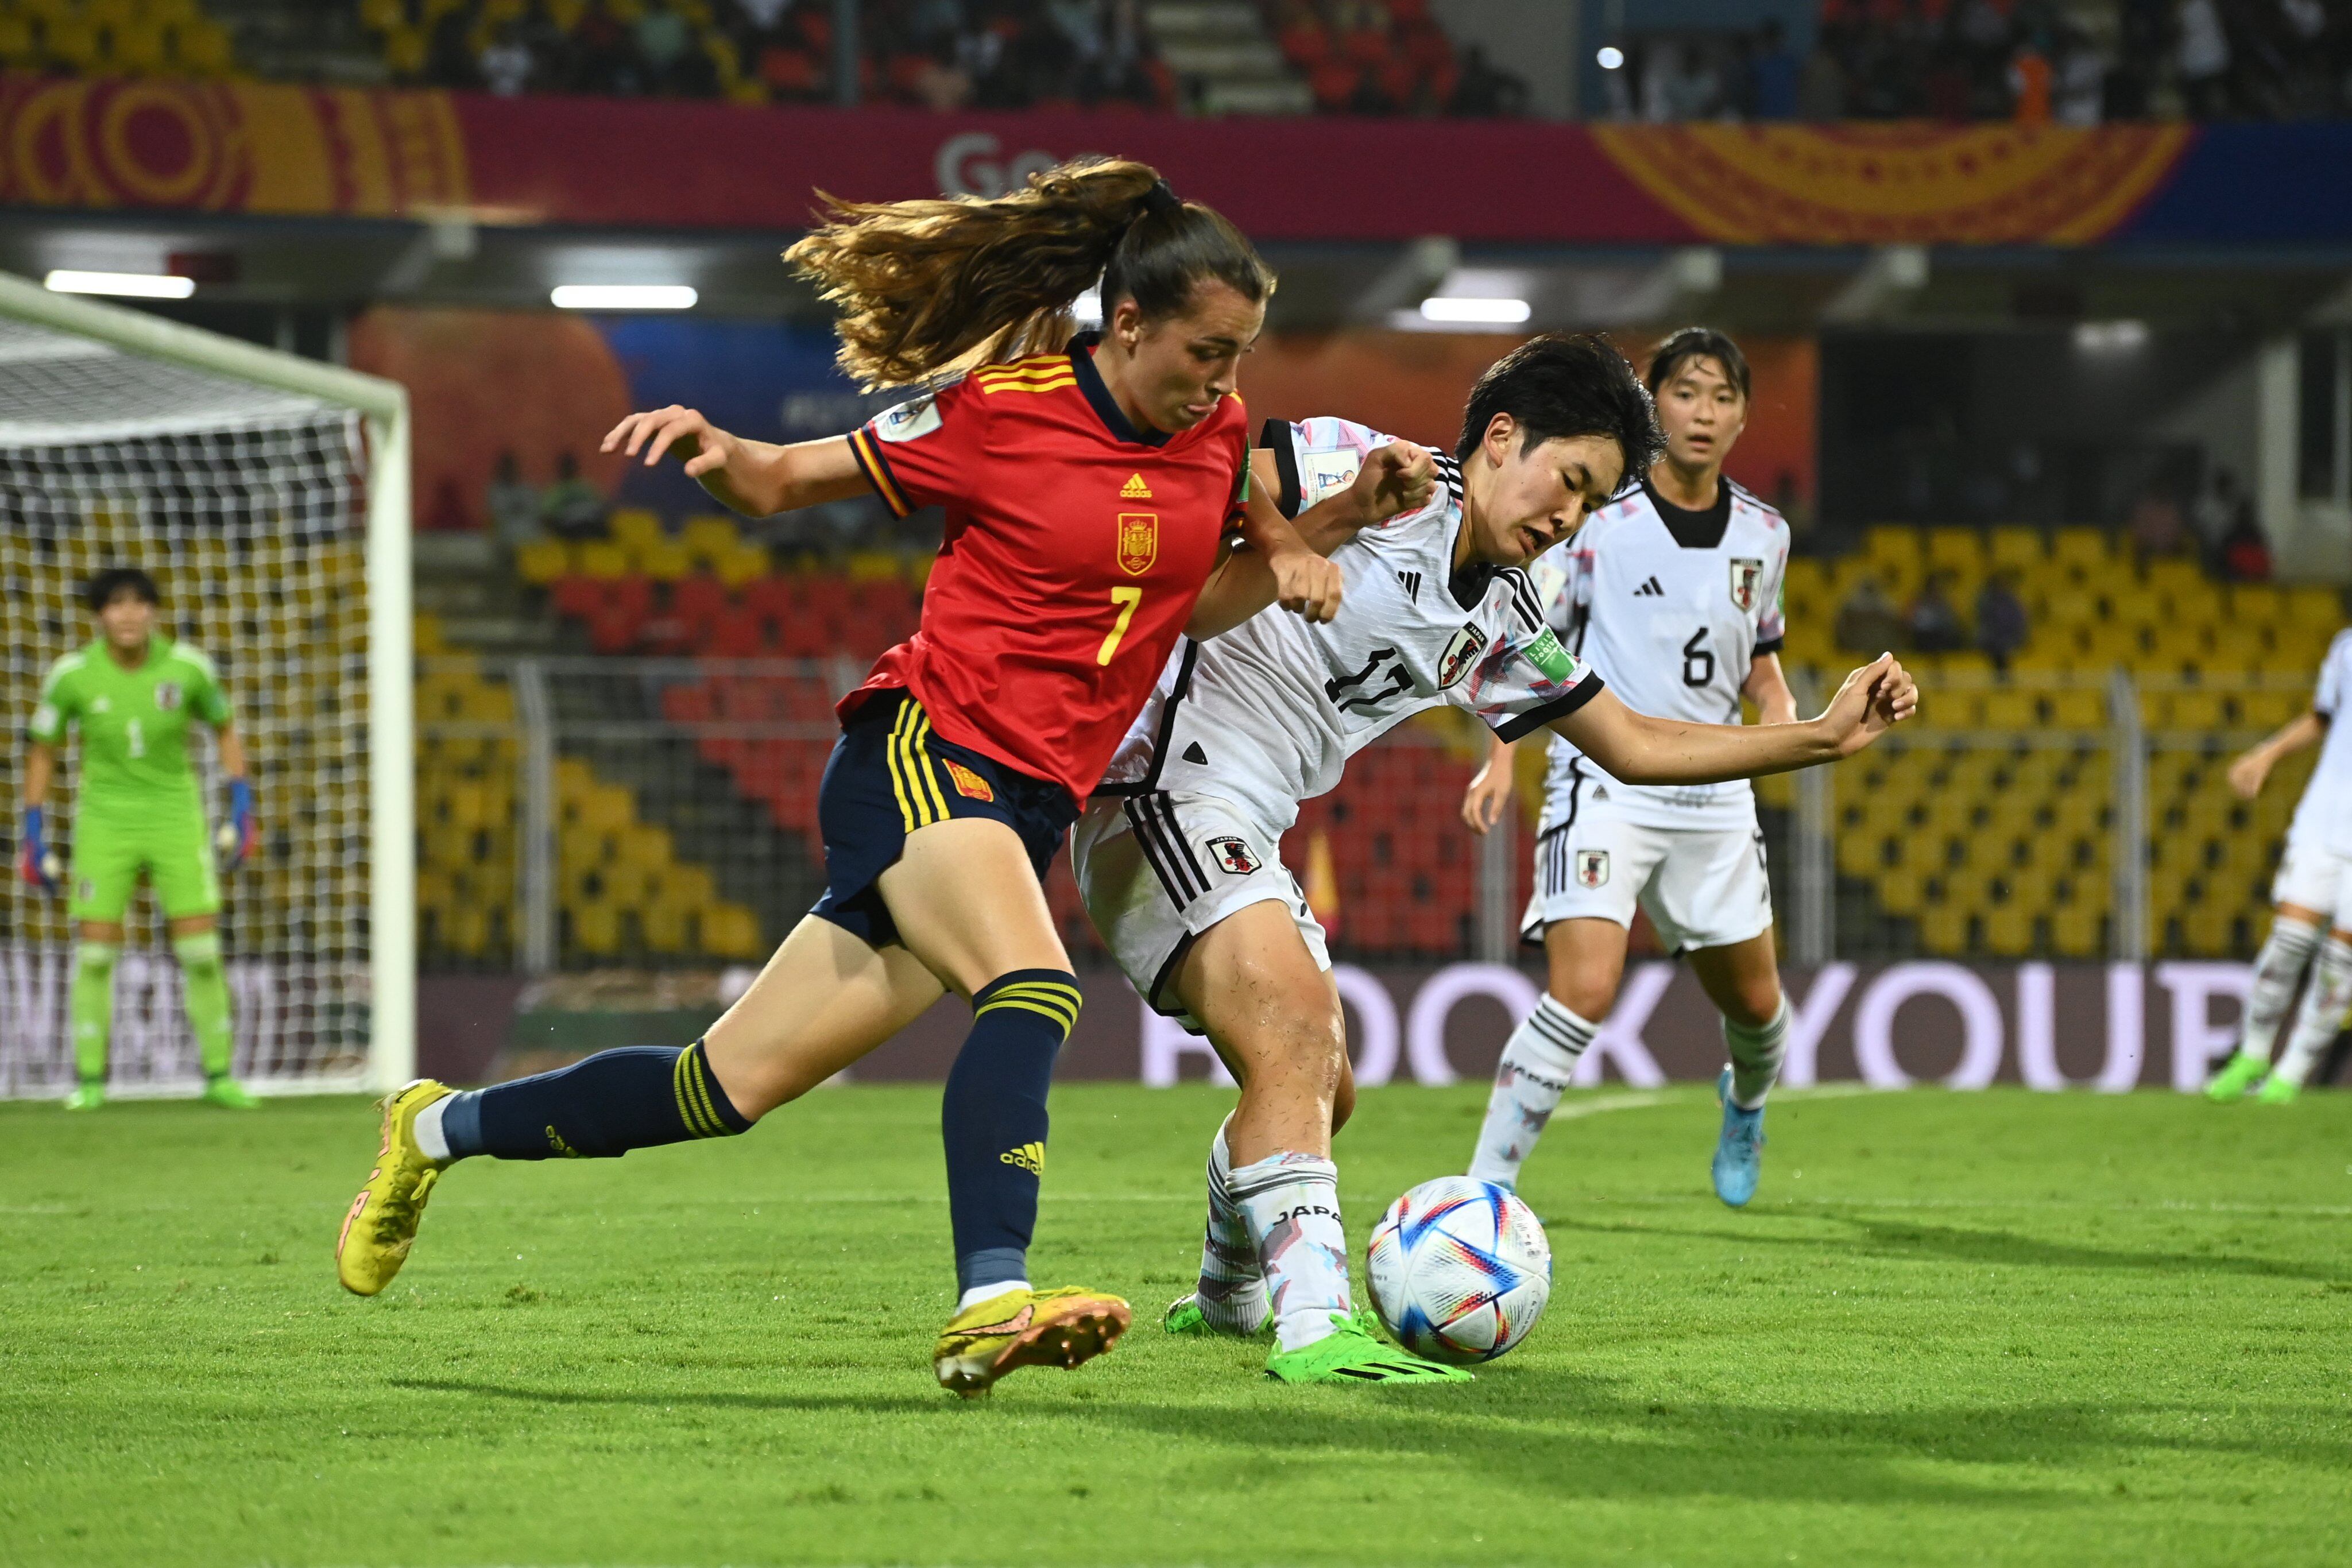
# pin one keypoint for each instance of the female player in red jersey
(1089, 491)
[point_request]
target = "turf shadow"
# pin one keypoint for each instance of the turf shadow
(1903, 1238)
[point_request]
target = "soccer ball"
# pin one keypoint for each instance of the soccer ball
(1460, 1270)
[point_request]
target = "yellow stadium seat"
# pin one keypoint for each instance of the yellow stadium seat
(742, 564)
(2086, 552)
(2075, 930)
(633, 528)
(595, 927)
(730, 931)
(600, 558)
(665, 560)
(542, 561)
(1944, 927)
(709, 535)
(2320, 608)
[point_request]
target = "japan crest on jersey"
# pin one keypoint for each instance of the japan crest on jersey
(1592, 867)
(1138, 541)
(1746, 583)
(1234, 857)
(167, 695)
(1461, 656)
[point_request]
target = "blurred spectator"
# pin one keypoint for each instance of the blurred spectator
(1867, 622)
(572, 507)
(512, 502)
(1934, 625)
(2202, 56)
(2079, 89)
(2245, 554)
(1483, 92)
(2001, 619)
(2156, 526)
(506, 63)
(2220, 510)
(2028, 85)
(1773, 74)
(1820, 87)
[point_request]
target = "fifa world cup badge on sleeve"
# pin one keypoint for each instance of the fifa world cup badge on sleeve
(909, 421)
(1138, 541)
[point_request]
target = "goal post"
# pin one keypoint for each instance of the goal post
(243, 474)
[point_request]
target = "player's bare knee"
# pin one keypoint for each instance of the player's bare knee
(1752, 1003)
(1586, 996)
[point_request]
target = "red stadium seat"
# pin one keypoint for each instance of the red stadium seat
(1333, 83)
(578, 597)
(697, 598)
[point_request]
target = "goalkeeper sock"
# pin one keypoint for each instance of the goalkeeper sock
(1232, 1292)
(2323, 1005)
(1756, 1054)
(204, 989)
(639, 1097)
(2278, 969)
(1533, 1074)
(1291, 1203)
(92, 1007)
(994, 1123)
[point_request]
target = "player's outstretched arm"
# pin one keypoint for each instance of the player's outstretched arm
(2254, 766)
(756, 478)
(1641, 750)
(1490, 788)
(1398, 477)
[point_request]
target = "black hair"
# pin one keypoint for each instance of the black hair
(102, 588)
(1697, 343)
(1564, 384)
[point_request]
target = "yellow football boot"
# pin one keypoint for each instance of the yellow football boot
(381, 1224)
(1025, 1328)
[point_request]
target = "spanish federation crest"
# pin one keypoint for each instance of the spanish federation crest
(1138, 541)
(1746, 583)
(1592, 867)
(1460, 657)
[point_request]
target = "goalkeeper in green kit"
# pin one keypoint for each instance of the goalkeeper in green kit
(133, 693)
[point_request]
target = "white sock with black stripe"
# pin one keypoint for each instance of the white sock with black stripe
(2278, 969)
(1756, 1056)
(1537, 1062)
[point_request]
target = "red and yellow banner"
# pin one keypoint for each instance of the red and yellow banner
(247, 148)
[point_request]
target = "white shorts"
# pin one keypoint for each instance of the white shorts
(1157, 870)
(1704, 887)
(2316, 877)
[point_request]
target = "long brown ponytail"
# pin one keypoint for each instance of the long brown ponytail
(941, 284)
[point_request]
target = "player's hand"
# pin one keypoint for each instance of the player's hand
(1305, 583)
(233, 842)
(680, 432)
(1873, 699)
(1489, 792)
(35, 862)
(2247, 773)
(1398, 478)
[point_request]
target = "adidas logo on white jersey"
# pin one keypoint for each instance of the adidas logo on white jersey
(1411, 583)
(1650, 590)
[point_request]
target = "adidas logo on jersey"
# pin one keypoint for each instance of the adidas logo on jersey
(1411, 581)
(1135, 489)
(1030, 1158)
(1650, 590)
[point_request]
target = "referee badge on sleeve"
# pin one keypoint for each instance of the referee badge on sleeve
(1592, 868)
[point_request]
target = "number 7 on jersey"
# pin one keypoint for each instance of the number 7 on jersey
(1126, 599)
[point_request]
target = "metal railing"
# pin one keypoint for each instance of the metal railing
(575, 812)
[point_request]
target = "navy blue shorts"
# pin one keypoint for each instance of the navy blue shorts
(890, 774)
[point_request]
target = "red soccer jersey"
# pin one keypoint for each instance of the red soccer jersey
(1076, 546)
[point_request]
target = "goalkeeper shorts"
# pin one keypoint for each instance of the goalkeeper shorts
(112, 850)
(890, 775)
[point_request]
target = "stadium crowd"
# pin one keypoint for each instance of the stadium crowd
(2029, 60)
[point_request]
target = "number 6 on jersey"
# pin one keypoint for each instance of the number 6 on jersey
(1126, 599)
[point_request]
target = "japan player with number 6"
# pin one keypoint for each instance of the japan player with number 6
(1178, 853)
(1673, 593)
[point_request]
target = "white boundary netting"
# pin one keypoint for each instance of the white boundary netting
(249, 504)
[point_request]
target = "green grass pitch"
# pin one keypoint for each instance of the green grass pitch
(1953, 1328)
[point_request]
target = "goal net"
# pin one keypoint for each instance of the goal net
(250, 486)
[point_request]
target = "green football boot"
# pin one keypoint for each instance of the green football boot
(86, 1096)
(2238, 1075)
(1350, 1355)
(2277, 1091)
(229, 1095)
(1185, 1317)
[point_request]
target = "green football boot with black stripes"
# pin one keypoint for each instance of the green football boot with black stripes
(1350, 1355)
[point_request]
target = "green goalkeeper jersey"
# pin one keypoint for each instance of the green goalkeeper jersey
(133, 724)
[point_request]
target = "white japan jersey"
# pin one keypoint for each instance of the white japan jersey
(1267, 715)
(1672, 624)
(2325, 815)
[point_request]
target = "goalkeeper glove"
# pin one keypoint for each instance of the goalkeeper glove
(37, 862)
(234, 841)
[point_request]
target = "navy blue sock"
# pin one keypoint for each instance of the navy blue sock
(992, 1119)
(601, 1108)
